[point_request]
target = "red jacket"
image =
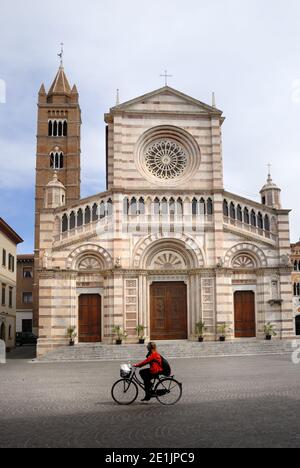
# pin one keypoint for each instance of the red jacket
(155, 362)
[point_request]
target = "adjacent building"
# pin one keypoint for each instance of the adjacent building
(25, 269)
(165, 246)
(9, 241)
(295, 258)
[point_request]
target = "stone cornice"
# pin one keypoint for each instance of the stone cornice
(213, 271)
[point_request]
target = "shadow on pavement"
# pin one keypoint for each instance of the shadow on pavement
(22, 352)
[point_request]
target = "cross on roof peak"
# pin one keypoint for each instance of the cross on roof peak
(61, 54)
(166, 76)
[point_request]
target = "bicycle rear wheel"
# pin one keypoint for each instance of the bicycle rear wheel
(124, 392)
(168, 392)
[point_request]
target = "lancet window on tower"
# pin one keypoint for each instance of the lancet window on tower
(56, 160)
(57, 128)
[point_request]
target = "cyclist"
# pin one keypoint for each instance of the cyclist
(155, 361)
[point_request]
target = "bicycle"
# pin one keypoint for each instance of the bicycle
(167, 390)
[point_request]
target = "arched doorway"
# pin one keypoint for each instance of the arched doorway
(2, 332)
(297, 320)
(168, 311)
(244, 314)
(89, 318)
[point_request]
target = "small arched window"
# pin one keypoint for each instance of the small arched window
(50, 128)
(195, 207)
(141, 206)
(87, 215)
(260, 221)
(126, 206)
(210, 207)
(60, 128)
(225, 209)
(239, 213)
(164, 206)
(202, 207)
(102, 210)
(232, 211)
(55, 128)
(72, 220)
(133, 207)
(156, 206)
(65, 128)
(109, 208)
(246, 216)
(79, 217)
(95, 212)
(253, 219)
(64, 223)
(267, 223)
(179, 207)
(172, 207)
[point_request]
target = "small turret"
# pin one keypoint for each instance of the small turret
(270, 194)
(55, 193)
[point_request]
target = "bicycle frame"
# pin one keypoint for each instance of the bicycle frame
(134, 378)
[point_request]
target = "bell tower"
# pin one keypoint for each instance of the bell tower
(58, 150)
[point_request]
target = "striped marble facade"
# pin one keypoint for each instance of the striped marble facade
(116, 244)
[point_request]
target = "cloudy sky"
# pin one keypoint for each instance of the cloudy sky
(247, 51)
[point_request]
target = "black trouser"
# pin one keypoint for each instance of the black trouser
(147, 378)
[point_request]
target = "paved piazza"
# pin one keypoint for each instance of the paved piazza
(228, 402)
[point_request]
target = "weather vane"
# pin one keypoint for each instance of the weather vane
(166, 76)
(61, 54)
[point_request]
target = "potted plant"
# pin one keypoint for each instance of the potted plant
(269, 330)
(71, 334)
(140, 329)
(223, 330)
(120, 334)
(200, 328)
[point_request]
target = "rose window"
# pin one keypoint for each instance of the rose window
(166, 159)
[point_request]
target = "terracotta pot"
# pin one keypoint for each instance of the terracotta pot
(71, 343)
(222, 338)
(200, 339)
(268, 337)
(118, 342)
(141, 341)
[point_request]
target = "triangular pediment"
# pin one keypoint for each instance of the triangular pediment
(167, 99)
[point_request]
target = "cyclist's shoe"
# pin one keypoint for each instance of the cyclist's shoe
(161, 392)
(147, 398)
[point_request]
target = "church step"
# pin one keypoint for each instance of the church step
(171, 350)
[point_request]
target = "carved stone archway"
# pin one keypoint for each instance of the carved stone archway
(90, 254)
(178, 251)
(250, 250)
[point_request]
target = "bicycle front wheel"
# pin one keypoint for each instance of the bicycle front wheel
(124, 392)
(168, 392)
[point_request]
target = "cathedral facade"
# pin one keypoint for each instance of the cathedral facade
(165, 246)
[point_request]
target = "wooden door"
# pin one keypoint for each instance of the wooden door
(89, 318)
(168, 311)
(244, 312)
